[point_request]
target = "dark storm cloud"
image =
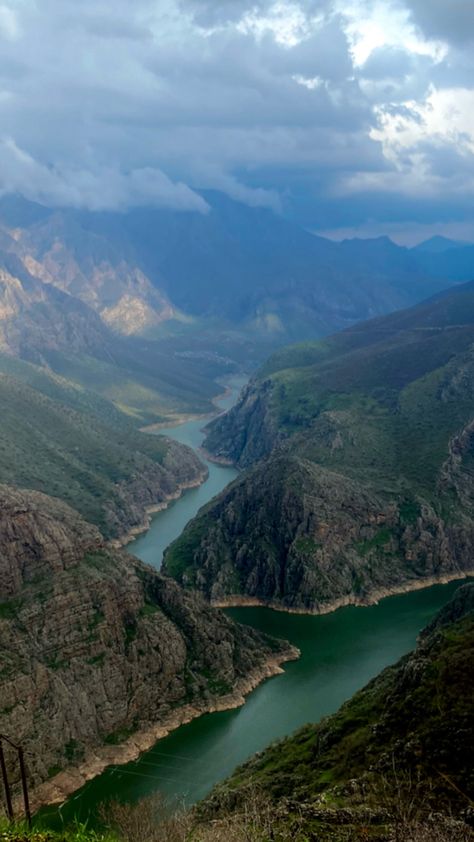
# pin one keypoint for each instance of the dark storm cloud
(107, 105)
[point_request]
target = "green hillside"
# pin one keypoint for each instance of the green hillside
(398, 752)
(367, 479)
(69, 443)
(392, 765)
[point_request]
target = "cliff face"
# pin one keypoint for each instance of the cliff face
(295, 535)
(61, 252)
(391, 757)
(358, 455)
(95, 647)
(150, 488)
(37, 318)
(246, 433)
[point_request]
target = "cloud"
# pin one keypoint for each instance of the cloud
(448, 20)
(104, 190)
(320, 109)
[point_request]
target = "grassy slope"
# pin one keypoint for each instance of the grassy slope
(377, 404)
(411, 727)
(68, 443)
(400, 386)
(147, 383)
(20, 833)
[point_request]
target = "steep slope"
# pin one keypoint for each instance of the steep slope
(394, 755)
(96, 648)
(47, 326)
(35, 318)
(75, 447)
(366, 484)
(61, 252)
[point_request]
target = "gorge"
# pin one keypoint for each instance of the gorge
(339, 653)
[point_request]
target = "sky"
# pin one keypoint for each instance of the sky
(351, 118)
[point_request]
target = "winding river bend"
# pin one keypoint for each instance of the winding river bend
(168, 524)
(340, 653)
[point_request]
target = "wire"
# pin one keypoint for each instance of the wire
(151, 777)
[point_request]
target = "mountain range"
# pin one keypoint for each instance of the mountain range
(356, 452)
(234, 265)
(148, 307)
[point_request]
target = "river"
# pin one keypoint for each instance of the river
(168, 524)
(340, 652)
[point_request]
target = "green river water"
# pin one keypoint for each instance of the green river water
(340, 652)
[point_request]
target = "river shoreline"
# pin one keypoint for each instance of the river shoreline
(63, 785)
(344, 602)
(135, 531)
(217, 460)
(179, 420)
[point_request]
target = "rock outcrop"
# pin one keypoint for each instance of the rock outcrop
(358, 476)
(96, 647)
(293, 535)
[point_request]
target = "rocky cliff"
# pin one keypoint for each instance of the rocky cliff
(246, 433)
(97, 649)
(60, 251)
(294, 535)
(360, 481)
(41, 321)
(36, 318)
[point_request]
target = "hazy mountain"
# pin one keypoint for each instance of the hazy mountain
(361, 480)
(252, 267)
(194, 293)
(438, 244)
(456, 263)
(35, 317)
(61, 252)
(236, 266)
(42, 324)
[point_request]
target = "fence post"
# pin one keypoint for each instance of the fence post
(6, 785)
(24, 782)
(24, 785)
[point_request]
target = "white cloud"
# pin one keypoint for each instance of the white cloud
(385, 23)
(96, 190)
(287, 22)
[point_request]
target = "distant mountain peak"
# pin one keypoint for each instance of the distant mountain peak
(438, 243)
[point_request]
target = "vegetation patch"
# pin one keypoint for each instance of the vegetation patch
(379, 541)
